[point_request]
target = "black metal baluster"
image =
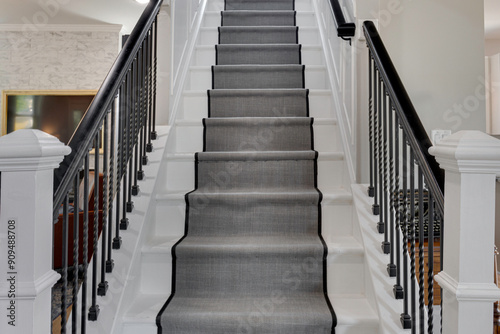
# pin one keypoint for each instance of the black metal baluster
(103, 285)
(125, 148)
(376, 206)
(439, 216)
(137, 112)
(430, 260)
(397, 289)
(391, 267)
(381, 223)
(109, 262)
(143, 114)
(405, 316)
(94, 309)
(153, 132)
(411, 237)
(85, 241)
(64, 272)
(149, 116)
(76, 250)
(371, 188)
(117, 240)
(386, 245)
(421, 241)
(131, 137)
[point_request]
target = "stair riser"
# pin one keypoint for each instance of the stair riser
(230, 175)
(195, 106)
(307, 36)
(206, 56)
(179, 175)
(345, 274)
(272, 135)
(201, 78)
(156, 273)
(189, 138)
(304, 19)
(171, 218)
(300, 5)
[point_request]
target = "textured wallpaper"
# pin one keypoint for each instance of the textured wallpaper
(47, 60)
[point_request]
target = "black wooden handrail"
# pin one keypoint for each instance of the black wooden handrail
(417, 136)
(344, 29)
(84, 134)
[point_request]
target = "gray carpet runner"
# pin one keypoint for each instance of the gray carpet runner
(258, 35)
(252, 259)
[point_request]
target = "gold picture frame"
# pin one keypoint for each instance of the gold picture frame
(29, 109)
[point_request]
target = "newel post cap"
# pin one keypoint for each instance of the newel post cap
(468, 152)
(29, 149)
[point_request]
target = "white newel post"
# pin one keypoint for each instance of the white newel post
(471, 160)
(27, 162)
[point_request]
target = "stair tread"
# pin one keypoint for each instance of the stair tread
(350, 309)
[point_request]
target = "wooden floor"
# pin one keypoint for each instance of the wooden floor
(437, 266)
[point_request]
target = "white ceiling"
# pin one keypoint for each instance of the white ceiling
(126, 13)
(123, 12)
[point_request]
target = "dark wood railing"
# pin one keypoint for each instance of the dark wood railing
(345, 30)
(407, 185)
(116, 131)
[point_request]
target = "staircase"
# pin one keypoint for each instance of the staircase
(348, 286)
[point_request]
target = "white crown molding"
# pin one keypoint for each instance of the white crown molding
(62, 27)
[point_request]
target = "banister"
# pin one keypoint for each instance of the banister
(417, 136)
(344, 29)
(84, 133)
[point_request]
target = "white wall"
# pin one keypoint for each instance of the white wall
(58, 57)
(491, 47)
(438, 50)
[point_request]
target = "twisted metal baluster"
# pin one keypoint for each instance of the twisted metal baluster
(430, 274)
(386, 245)
(397, 289)
(391, 267)
(381, 223)
(411, 236)
(405, 316)
(421, 287)
(371, 188)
